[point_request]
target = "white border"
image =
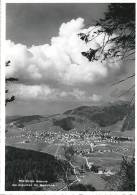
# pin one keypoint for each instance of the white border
(2, 108)
(2, 105)
(68, 1)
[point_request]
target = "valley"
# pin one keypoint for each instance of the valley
(98, 150)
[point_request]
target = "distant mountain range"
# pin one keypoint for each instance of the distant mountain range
(102, 116)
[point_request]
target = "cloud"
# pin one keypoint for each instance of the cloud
(61, 61)
(81, 95)
(22, 91)
(44, 92)
(71, 27)
(96, 98)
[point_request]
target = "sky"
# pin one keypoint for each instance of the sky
(43, 46)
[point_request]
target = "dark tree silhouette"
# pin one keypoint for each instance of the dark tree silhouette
(11, 99)
(119, 20)
(11, 79)
(8, 63)
(124, 180)
(69, 152)
(90, 54)
(81, 187)
(8, 80)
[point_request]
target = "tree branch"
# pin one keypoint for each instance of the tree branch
(123, 79)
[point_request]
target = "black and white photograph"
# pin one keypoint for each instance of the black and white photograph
(70, 97)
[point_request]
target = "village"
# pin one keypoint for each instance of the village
(85, 142)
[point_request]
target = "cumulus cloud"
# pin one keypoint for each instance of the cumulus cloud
(58, 71)
(44, 92)
(61, 61)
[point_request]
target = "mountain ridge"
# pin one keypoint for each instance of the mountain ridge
(103, 115)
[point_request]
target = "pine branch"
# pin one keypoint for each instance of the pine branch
(123, 79)
(127, 91)
(11, 79)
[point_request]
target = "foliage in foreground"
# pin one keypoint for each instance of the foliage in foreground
(81, 187)
(31, 165)
(124, 180)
